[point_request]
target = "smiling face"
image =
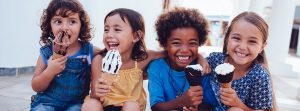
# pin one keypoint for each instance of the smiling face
(182, 47)
(244, 43)
(71, 24)
(118, 34)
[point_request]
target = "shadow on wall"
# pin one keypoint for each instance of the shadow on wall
(16, 71)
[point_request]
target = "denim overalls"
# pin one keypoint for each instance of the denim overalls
(69, 88)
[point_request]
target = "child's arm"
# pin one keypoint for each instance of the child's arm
(203, 62)
(43, 74)
(193, 97)
(99, 86)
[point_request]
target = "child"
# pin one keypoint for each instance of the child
(63, 83)
(124, 31)
(180, 32)
(244, 45)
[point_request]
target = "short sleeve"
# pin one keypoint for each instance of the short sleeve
(261, 92)
(45, 53)
(155, 85)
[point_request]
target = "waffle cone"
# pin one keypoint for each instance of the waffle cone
(226, 85)
(55, 56)
(110, 78)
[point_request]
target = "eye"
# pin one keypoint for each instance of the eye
(252, 42)
(235, 38)
(106, 30)
(194, 44)
(73, 22)
(176, 43)
(57, 22)
(118, 30)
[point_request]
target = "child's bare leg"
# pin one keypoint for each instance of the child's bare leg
(235, 109)
(92, 105)
(131, 106)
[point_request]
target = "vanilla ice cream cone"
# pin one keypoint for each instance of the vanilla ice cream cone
(225, 85)
(225, 74)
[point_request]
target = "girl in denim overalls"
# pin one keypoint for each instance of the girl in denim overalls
(62, 84)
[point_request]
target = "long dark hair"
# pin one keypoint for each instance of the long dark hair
(64, 6)
(262, 26)
(136, 22)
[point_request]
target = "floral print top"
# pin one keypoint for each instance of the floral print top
(254, 89)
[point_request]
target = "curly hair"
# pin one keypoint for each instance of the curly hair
(64, 6)
(136, 22)
(180, 17)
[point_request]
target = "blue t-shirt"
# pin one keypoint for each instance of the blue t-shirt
(254, 89)
(166, 83)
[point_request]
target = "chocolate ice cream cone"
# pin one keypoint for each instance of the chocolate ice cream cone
(55, 56)
(193, 74)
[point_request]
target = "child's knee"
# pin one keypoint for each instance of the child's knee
(131, 106)
(235, 109)
(92, 105)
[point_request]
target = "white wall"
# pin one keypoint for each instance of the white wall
(20, 30)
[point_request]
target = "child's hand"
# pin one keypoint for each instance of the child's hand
(57, 65)
(205, 67)
(193, 96)
(229, 97)
(102, 88)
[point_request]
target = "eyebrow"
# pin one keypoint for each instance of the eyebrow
(252, 37)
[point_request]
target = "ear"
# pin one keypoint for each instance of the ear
(137, 36)
(263, 47)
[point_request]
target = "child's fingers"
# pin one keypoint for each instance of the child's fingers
(62, 59)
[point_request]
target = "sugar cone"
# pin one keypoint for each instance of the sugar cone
(226, 85)
(55, 56)
(110, 78)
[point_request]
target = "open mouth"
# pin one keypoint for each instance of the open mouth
(112, 45)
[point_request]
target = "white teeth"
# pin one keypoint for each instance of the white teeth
(240, 54)
(113, 44)
(183, 58)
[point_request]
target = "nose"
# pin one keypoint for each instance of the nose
(65, 27)
(243, 46)
(184, 49)
(108, 34)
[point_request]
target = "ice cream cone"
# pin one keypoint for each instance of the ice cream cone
(55, 56)
(110, 78)
(225, 74)
(226, 85)
(193, 74)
